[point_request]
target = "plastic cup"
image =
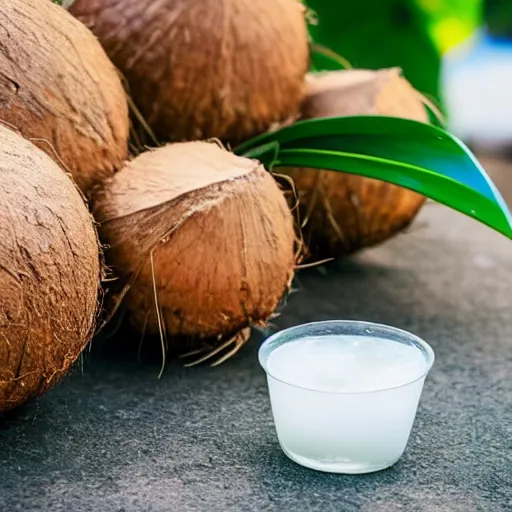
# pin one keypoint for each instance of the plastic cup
(344, 394)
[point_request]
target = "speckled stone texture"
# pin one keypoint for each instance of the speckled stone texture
(112, 437)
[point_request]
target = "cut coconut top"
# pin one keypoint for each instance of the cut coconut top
(355, 92)
(324, 80)
(173, 171)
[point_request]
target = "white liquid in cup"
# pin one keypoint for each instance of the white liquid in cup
(345, 403)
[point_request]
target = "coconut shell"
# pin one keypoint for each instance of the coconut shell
(206, 68)
(49, 271)
(208, 232)
(58, 88)
(342, 212)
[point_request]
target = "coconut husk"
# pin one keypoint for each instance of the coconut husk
(203, 238)
(198, 70)
(342, 213)
(58, 88)
(49, 271)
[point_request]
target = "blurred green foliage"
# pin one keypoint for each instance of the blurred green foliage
(379, 33)
(498, 17)
(451, 21)
(411, 34)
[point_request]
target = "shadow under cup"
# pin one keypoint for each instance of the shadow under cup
(344, 394)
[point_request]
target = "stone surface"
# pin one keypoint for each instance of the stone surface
(112, 437)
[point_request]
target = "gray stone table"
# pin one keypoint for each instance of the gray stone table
(112, 437)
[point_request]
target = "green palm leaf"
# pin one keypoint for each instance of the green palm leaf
(414, 155)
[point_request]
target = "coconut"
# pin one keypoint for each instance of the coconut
(204, 238)
(342, 212)
(58, 88)
(49, 271)
(212, 68)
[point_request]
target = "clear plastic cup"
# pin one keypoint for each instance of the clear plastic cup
(344, 394)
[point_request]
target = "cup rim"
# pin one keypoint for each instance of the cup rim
(419, 342)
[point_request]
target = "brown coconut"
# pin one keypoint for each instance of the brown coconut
(206, 68)
(344, 212)
(49, 271)
(203, 233)
(58, 88)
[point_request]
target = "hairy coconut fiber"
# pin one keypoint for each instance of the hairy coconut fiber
(206, 68)
(343, 212)
(203, 233)
(49, 271)
(58, 88)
